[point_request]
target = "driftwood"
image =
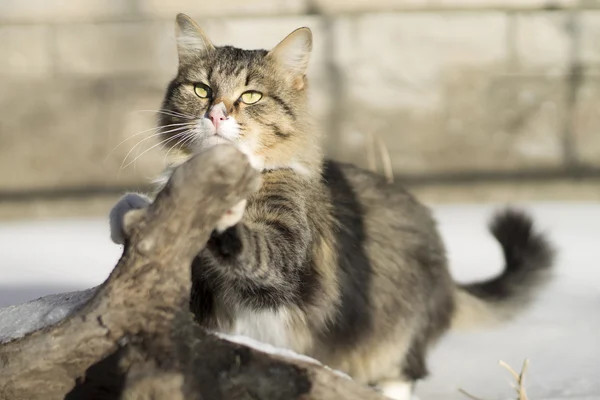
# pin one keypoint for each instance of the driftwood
(136, 339)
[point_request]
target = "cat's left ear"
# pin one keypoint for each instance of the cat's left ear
(293, 53)
(191, 39)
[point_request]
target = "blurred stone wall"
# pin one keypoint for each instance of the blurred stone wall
(461, 92)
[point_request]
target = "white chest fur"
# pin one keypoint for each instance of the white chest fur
(272, 327)
(280, 328)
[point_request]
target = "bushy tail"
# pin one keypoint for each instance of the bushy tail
(528, 256)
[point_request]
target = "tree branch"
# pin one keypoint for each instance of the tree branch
(136, 339)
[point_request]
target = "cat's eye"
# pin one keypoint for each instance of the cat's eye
(202, 90)
(251, 97)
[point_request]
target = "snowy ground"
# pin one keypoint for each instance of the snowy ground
(560, 335)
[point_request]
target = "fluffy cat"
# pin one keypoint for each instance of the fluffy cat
(326, 259)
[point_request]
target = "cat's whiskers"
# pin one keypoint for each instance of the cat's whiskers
(191, 139)
(186, 139)
(145, 131)
(137, 153)
(170, 113)
(148, 138)
(136, 146)
(188, 125)
(168, 151)
(167, 140)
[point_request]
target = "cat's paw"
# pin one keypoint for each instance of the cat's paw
(131, 201)
(231, 217)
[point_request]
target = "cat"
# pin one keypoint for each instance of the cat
(326, 259)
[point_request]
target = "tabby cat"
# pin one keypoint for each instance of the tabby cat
(326, 259)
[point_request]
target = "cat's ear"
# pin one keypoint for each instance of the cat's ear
(191, 39)
(293, 53)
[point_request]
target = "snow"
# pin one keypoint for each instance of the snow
(559, 334)
(267, 348)
(17, 320)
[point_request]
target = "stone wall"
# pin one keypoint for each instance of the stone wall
(457, 90)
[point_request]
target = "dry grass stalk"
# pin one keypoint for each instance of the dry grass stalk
(374, 141)
(519, 377)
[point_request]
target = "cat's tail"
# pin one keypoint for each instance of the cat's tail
(528, 256)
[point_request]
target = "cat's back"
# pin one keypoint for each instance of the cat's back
(383, 207)
(390, 261)
(384, 233)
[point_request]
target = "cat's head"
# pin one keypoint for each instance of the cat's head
(255, 99)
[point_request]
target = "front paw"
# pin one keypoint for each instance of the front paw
(231, 217)
(131, 201)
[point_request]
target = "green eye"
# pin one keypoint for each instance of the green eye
(251, 97)
(202, 90)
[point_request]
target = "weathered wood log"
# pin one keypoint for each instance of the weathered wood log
(136, 339)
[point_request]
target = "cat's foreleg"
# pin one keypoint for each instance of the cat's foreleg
(262, 257)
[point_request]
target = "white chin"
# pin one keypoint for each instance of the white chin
(212, 141)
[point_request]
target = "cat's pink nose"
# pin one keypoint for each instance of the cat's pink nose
(217, 115)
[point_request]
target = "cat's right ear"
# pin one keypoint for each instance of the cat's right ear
(191, 39)
(293, 53)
